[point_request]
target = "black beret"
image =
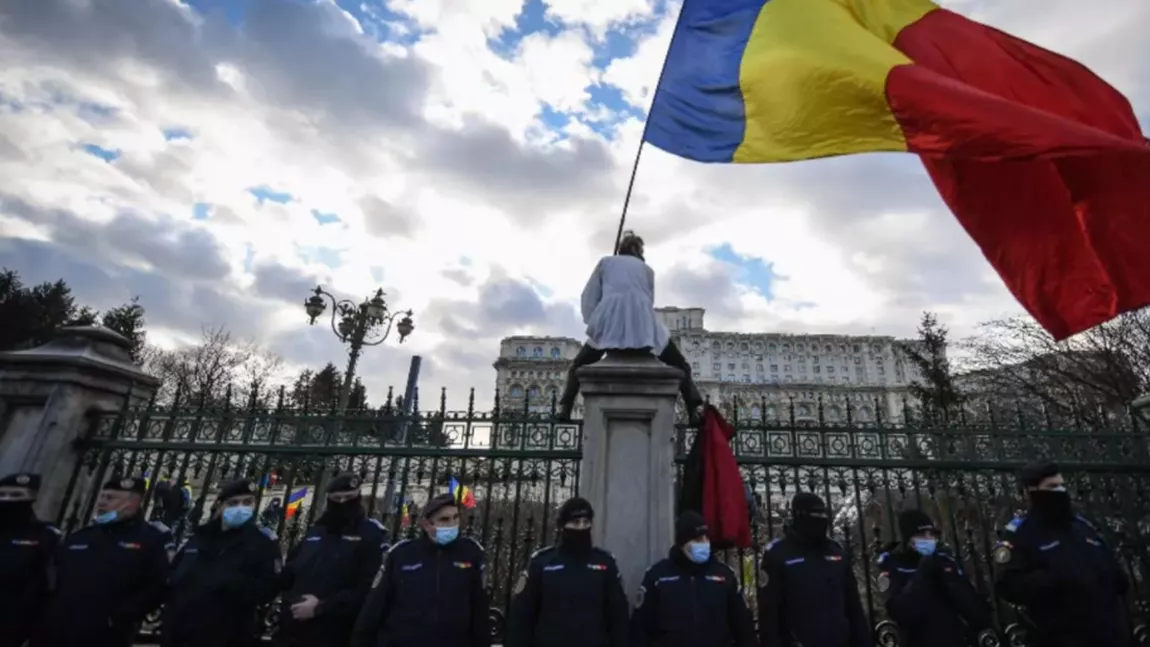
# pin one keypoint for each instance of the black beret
(137, 484)
(1035, 472)
(239, 487)
(913, 522)
(21, 479)
(575, 508)
(344, 483)
(688, 526)
(438, 503)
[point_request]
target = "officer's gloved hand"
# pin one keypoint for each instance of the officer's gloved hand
(930, 566)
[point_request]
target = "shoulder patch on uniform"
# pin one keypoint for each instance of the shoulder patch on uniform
(1002, 552)
(269, 533)
(1015, 523)
(774, 542)
(541, 551)
(1086, 522)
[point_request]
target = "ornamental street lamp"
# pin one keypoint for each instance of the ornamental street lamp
(366, 324)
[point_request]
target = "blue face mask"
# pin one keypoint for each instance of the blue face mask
(107, 517)
(923, 546)
(237, 515)
(446, 535)
(699, 552)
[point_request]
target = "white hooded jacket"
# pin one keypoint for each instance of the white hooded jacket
(619, 306)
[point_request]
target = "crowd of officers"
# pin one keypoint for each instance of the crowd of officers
(344, 585)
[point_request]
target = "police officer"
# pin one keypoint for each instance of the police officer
(430, 590)
(571, 595)
(222, 575)
(330, 572)
(109, 575)
(689, 599)
(808, 594)
(926, 592)
(26, 548)
(1056, 564)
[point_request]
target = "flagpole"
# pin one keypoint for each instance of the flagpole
(646, 125)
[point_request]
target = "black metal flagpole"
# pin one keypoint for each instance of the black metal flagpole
(646, 125)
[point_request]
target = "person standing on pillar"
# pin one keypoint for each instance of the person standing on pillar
(109, 575)
(926, 592)
(26, 548)
(222, 575)
(571, 594)
(329, 573)
(808, 594)
(430, 590)
(690, 599)
(619, 309)
(1056, 565)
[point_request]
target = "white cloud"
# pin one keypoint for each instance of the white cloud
(450, 191)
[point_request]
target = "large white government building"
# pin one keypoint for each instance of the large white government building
(766, 374)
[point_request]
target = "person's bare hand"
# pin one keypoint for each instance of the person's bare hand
(305, 608)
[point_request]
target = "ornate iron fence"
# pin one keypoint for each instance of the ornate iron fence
(522, 465)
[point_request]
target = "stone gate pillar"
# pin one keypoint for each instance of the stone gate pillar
(627, 472)
(49, 395)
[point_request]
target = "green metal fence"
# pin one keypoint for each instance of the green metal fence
(520, 466)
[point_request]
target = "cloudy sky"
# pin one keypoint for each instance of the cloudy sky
(218, 158)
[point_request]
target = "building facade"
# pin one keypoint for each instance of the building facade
(769, 376)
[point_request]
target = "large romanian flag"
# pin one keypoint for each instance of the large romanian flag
(1042, 162)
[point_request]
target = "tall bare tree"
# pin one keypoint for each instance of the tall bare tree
(1091, 376)
(203, 372)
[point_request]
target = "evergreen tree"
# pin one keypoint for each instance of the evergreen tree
(128, 320)
(30, 316)
(933, 387)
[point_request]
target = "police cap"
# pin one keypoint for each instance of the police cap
(239, 487)
(915, 522)
(438, 503)
(575, 508)
(134, 484)
(689, 525)
(808, 504)
(344, 483)
(1035, 472)
(21, 479)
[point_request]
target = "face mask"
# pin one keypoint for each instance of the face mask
(236, 516)
(699, 552)
(811, 528)
(577, 539)
(446, 535)
(924, 547)
(1052, 505)
(107, 517)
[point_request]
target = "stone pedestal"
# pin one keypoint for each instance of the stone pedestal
(627, 472)
(49, 396)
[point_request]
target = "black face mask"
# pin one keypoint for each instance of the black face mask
(811, 528)
(576, 540)
(344, 510)
(15, 511)
(1052, 506)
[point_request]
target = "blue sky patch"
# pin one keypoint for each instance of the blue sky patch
(554, 119)
(530, 20)
(201, 210)
(234, 10)
(753, 272)
(171, 134)
(324, 218)
(106, 154)
(263, 193)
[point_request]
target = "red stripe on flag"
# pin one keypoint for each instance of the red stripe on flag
(1042, 162)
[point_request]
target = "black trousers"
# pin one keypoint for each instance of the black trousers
(671, 356)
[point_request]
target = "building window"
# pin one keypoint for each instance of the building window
(787, 368)
(556, 353)
(716, 368)
(830, 369)
(746, 378)
(716, 346)
(538, 351)
(521, 352)
(731, 366)
(516, 391)
(730, 377)
(773, 347)
(816, 369)
(856, 348)
(759, 368)
(534, 392)
(774, 368)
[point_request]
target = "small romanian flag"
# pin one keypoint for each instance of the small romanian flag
(1042, 162)
(295, 500)
(462, 494)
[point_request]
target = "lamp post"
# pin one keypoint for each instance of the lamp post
(366, 324)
